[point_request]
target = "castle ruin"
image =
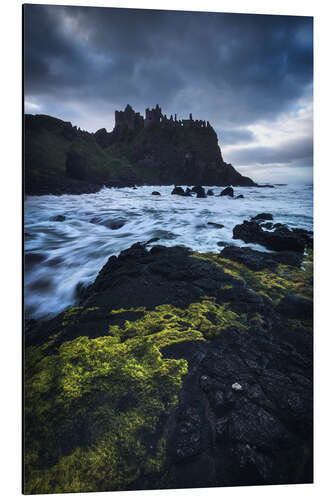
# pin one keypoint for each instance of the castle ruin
(154, 117)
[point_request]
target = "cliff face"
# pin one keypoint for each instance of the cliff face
(170, 151)
(155, 150)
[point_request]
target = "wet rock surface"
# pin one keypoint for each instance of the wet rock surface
(228, 191)
(178, 190)
(263, 216)
(216, 225)
(282, 238)
(259, 260)
(244, 411)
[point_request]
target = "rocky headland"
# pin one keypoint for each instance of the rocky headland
(177, 369)
(60, 158)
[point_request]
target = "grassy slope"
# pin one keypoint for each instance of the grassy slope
(47, 143)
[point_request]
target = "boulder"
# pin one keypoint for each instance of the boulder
(156, 193)
(178, 190)
(239, 197)
(263, 216)
(227, 192)
(200, 191)
(210, 192)
(280, 239)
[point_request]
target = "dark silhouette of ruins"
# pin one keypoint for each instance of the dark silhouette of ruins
(151, 150)
(133, 120)
(168, 150)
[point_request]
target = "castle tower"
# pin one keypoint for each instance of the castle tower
(128, 118)
(153, 116)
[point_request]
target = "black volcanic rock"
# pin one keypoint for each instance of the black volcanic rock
(215, 224)
(242, 413)
(268, 225)
(263, 216)
(227, 192)
(199, 190)
(58, 218)
(179, 191)
(280, 239)
(260, 260)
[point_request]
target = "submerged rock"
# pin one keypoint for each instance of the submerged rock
(58, 218)
(215, 224)
(110, 223)
(33, 259)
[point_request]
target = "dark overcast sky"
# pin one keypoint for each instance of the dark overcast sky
(251, 76)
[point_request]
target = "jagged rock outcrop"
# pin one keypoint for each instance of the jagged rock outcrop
(171, 150)
(177, 369)
(282, 238)
(61, 158)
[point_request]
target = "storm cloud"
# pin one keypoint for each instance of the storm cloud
(249, 75)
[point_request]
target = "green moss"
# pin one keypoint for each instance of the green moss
(89, 310)
(274, 285)
(93, 406)
(116, 392)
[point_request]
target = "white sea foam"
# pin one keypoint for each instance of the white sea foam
(62, 254)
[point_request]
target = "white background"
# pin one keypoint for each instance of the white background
(10, 231)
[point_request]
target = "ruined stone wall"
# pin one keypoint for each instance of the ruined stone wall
(153, 117)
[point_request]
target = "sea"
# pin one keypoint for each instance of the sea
(62, 255)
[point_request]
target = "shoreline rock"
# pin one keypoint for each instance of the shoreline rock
(203, 359)
(280, 239)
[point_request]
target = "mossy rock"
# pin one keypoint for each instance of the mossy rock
(94, 407)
